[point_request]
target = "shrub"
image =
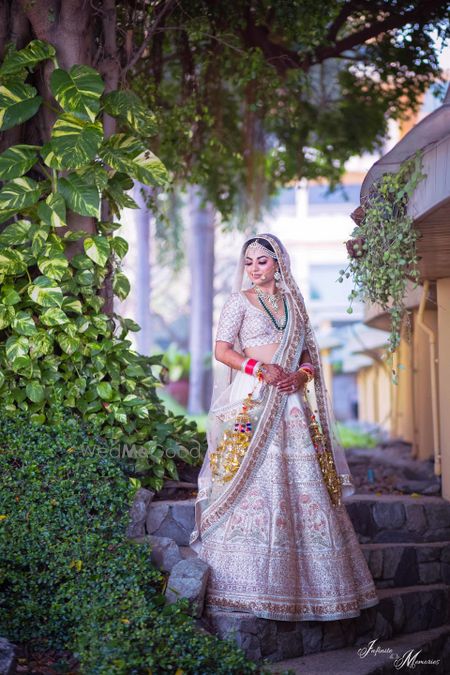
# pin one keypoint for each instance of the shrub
(68, 576)
(57, 255)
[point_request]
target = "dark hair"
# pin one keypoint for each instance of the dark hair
(266, 243)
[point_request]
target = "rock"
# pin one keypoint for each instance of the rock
(391, 560)
(164, 552)
(188, 552)
(434, 488)
(172, 519)
(7, 657)
(138, 513)
(376, 563)
(424, 487)
(157, 513)
(333, 635)
(415, 518)
(389, 514)
(438, 515)
(188, 579)
(430, 572)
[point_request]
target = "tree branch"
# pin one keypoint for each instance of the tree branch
(283, 59)
(420, 14)
(167, 7)
(340, 20)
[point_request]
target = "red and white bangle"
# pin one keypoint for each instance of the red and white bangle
(250, 366)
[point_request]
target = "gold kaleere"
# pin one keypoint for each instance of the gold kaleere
(326, 462)
(227, 458)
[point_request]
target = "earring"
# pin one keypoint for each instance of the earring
(277, 277)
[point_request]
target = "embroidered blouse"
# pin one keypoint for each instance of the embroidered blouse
(240, 318)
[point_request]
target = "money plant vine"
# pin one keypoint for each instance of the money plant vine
(58, 347)
(383, 252)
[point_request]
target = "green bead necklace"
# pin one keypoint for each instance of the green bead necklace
(278, 326)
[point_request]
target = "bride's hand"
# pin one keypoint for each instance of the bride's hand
(292, 382)
(272, 373)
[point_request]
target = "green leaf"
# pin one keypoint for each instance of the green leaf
(131, 325)
(35, 391)
(81, 262)
(105, 391)
(38, 240)
(119, 245)
(23, 324)
(15, 233)
(40, 344)
(6, 316)
(116, 192)
(78, 91)
(19, 193)
(11, 261)
(131, 399)
(71, 329)
(10, 296)
(17, 160)
(84, 277)
(54, 267)
(107, 227)
(38, 418)
(35, 52)
(53, 210)
(45, 292)
(75, 235)
(74, 141)
(121, 285)
(72, 305)
(97, 249)
(68, 344)
(95, 173)
(128, 155)
(18, 102)
(16, 346)
(82, 324)
(149, 169)
(50, 158)
(127, 106)
(119, 149)
(81, 197)
(21, 364)
(54, 317)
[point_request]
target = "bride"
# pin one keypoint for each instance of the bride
(269, 517)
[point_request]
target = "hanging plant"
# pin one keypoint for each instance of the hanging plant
(382, 252)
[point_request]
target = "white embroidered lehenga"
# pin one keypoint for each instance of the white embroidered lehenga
(277, 544)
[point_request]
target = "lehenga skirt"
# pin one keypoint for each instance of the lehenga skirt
(284, 552)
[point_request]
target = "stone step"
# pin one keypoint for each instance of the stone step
(400, 611)
(394, 518)
(430, 645)
(376, 519)
(407, 564)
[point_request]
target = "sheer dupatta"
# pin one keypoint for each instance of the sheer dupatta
(214, 501)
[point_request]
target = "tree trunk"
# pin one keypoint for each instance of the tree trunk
(201, 260)
(142, 219)
(70, 26)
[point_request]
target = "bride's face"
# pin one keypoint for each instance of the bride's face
(260, 268)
